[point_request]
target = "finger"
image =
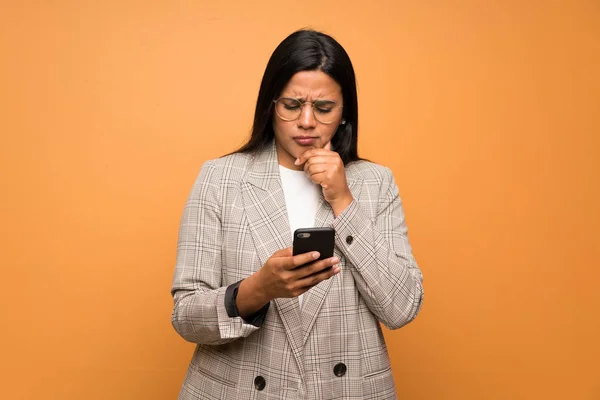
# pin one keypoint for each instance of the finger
(302, 159)
(311, 153)
(319, 162)
(314, 279)
(319, 159)
(315, 169)
(317, 267)
(319, 178)
(301, 259)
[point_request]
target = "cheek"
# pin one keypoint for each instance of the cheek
(330, 132)
(281, 129)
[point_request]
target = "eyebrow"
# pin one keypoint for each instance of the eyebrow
(303, 99)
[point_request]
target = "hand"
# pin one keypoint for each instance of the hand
(284, 275)
(325, 167)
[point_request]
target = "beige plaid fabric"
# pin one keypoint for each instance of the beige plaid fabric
(233, 221)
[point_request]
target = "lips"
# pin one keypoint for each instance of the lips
(305, 140)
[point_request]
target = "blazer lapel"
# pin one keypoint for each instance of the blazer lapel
(313, 300)
(264, 203)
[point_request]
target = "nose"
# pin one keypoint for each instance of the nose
(306, 119)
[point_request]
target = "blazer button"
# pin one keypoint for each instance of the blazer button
(349, 239)
(259, 383)
(340, 369)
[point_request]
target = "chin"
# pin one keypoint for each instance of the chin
(294, 150)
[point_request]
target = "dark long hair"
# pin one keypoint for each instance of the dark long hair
(307, 50)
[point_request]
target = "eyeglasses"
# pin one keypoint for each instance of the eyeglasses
(324, 111)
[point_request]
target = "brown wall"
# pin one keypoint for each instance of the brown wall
(487, 112)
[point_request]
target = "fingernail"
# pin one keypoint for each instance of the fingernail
(297, 161)
(315, 255)
(336, 269)
(335, 260)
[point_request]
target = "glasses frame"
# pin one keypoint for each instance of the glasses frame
(302, 103)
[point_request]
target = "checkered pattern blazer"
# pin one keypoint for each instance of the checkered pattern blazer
(332, 348)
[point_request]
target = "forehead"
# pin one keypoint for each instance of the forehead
(312, 85)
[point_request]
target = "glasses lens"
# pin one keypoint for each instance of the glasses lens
(288, 109)
(326, 111)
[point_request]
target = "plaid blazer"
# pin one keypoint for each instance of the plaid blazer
(332, 348)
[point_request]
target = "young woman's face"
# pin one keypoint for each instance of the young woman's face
(296, 136)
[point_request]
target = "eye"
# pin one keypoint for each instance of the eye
(290, 104)
(324, 107)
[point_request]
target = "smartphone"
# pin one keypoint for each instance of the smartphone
(314, 239)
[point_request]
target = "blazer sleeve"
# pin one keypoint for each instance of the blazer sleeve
(380, 257)
(199, 313)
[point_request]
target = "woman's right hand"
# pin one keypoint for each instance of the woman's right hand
(283, 275)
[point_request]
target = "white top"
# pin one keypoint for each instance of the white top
(301, 200)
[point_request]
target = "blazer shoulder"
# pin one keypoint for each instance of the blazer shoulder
(225, 169)
(231, 161)
(369, 171)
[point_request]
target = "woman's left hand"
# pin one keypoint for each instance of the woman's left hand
(325, 167)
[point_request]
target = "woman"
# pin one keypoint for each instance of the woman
(270, 325)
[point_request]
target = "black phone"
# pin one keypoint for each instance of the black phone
(314, 239)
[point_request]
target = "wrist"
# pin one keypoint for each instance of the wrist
(339, 205)
(246, 306)
(251, 296)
